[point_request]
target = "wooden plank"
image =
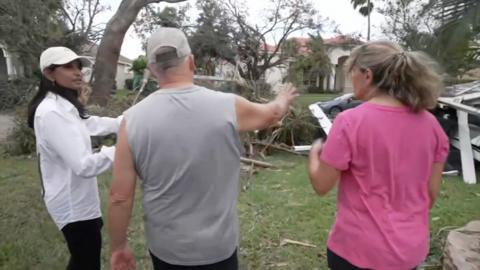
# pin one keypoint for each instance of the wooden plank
(459, 106)
(476, 154)
(323, 120)
(302, 148)
(466, 97)
(466, 152)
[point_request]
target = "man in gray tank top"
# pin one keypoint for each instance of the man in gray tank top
(183, 143)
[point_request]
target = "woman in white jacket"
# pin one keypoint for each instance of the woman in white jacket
(68, 167)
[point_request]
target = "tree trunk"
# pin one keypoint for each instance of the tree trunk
(105, 69)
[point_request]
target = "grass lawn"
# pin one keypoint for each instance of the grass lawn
(307, 99)
(279, 204)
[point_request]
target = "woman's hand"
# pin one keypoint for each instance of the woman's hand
(84, 94)
(315, 153)
(323, 177)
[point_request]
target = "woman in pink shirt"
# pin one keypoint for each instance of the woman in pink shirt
(387, 155)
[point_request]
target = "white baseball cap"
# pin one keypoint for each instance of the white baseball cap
(61, 56)
(164, 38)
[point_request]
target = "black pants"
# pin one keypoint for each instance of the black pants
(84, 240)
(228, 264)
(336, 262)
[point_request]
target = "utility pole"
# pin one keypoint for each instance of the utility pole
(369, 12)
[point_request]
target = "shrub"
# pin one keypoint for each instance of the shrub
(119, 102)
(299, 127)
(15, 95)
(137, 81)
(16, 92)
(150, 87)
(139, 65)
(314, 90)
(454, 81)
(21, 140)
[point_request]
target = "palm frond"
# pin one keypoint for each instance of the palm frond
(357, 3)
(448, 11)
(366, 10)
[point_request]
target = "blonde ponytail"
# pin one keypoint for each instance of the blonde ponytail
(410, 77)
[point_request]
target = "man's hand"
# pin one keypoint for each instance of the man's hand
(286, 96)
(122, 259)
(256, 116)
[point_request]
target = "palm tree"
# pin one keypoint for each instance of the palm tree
(451, 11)
(365, 8)
(460, 24)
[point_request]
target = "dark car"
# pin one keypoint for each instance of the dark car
(339, 104)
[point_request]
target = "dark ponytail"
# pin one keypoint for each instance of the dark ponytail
(48, 86)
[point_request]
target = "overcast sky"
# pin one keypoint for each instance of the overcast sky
(340, 12)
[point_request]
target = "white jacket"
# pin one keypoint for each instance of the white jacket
(68, 167)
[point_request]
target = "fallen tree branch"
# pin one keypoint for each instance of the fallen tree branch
(251, 172)
(283, 264)
(293, 242)
(257, 163)
(278, 147)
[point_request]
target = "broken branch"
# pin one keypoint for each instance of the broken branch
(293, 242)
(257, 163)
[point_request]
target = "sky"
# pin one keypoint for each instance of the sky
(340, 12)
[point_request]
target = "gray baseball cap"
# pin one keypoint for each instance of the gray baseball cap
(163, 40)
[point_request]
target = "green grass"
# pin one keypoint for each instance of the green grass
(278, 204)
(307, 99)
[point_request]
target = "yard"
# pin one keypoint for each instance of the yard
(307, 99)
(279, 204)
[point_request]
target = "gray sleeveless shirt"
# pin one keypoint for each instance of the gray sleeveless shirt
(186, 150)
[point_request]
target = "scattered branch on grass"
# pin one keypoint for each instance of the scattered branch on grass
(447, 228)
(293, 242)
(280, 147)
(257, 163)
(278, 264)
(431, 266)
(251, 171)
(269, 141)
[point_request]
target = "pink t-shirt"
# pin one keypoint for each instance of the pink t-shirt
(385, 155)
